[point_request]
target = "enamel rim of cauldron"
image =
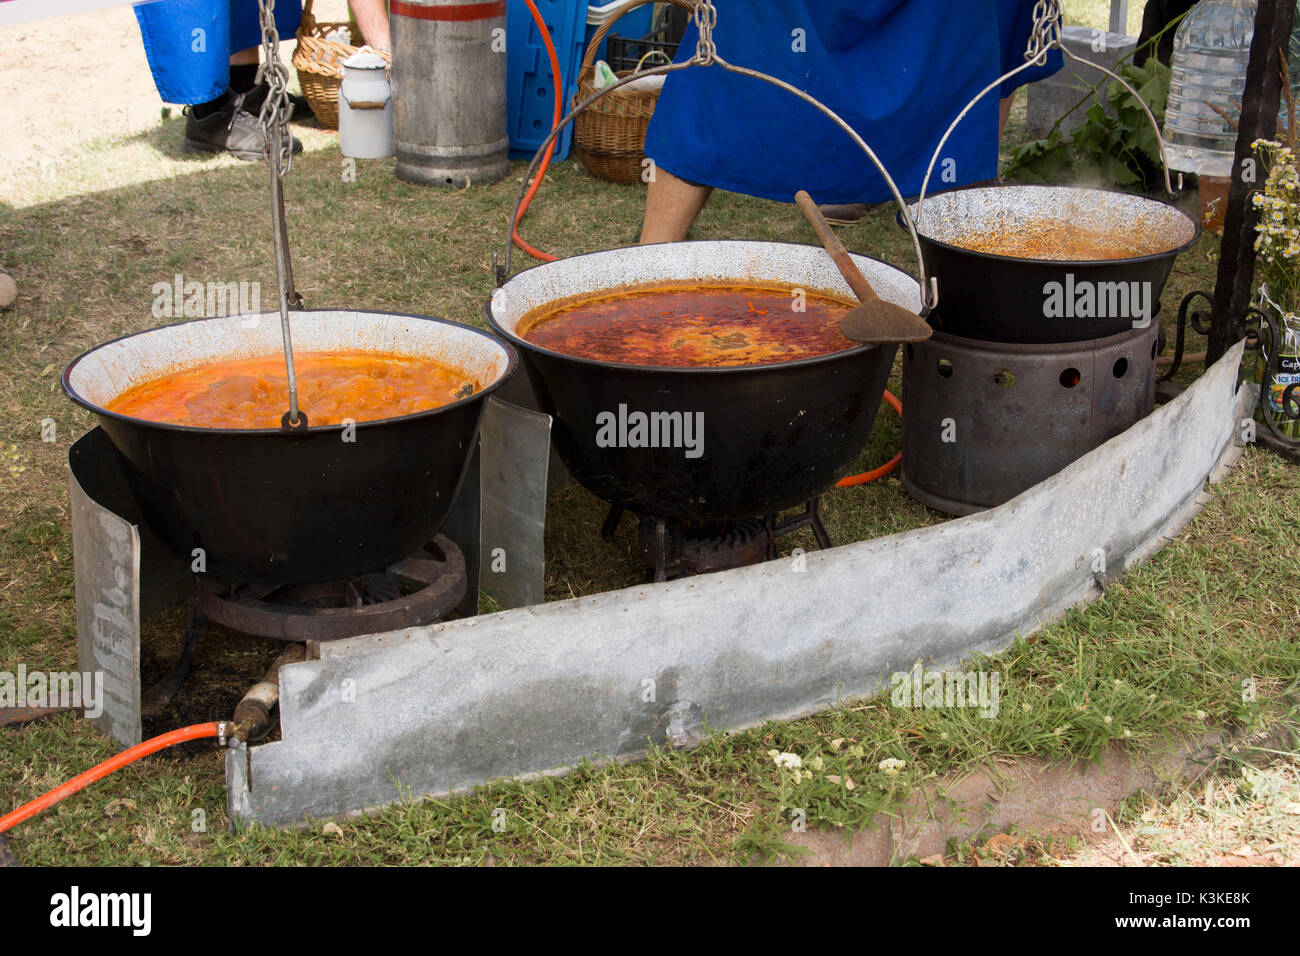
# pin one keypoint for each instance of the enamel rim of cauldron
(998, 257)
(512, 361)
(687, 369)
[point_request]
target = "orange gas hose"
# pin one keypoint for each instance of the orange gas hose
(887, 467)
(558, 82)
(99, 771)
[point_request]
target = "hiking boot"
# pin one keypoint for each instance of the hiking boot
(230, 128)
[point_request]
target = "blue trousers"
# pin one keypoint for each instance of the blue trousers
(189, 42)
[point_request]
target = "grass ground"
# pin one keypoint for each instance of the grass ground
(1162, 655)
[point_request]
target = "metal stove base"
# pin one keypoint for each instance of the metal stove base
(678, 549)
(422, 588)
(983, 421)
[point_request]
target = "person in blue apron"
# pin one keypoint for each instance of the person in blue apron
(897, 71)
(204, 53)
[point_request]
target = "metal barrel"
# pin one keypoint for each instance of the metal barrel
(449, 91)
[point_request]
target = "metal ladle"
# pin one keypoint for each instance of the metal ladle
(873, 321)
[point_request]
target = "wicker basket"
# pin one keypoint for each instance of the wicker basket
(609, 135)
(319, 63)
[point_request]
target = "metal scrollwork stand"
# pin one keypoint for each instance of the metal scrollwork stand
(1263, 335)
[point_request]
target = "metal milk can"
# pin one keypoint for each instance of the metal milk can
(365, 107)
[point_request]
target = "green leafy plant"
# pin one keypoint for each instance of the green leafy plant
(1113, 145)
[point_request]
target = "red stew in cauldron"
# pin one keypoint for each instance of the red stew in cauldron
(332, 386)
(692, 324)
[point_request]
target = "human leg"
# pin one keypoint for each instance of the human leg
(671, 207)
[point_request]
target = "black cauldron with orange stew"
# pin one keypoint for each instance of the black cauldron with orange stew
(738, 414)
(267, 505)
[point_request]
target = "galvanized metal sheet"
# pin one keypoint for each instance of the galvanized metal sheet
(462, 526)
(440, 709)
(516, 451)
(106, 559)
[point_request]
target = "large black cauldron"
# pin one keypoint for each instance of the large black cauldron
(1005, 299)
(773, 435)
(270, 507)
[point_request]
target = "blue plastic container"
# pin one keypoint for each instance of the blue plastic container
(530, 95)
(632, 25)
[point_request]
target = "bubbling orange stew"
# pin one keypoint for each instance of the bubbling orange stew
(695, 325)
(1061, 240)
(332, 386)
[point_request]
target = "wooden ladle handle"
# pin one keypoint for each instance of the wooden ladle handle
(852, 275)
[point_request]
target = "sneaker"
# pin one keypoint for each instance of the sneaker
(230, 129)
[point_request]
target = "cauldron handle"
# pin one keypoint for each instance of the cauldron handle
(706, 54)
(1046, 36)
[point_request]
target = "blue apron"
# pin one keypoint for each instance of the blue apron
(188, 42)
(897, 71)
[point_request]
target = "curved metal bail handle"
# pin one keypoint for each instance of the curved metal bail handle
(274, 121)
(501, 268)
(1151, 118)
(1053, 42)
(929, 289)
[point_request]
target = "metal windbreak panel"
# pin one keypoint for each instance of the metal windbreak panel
(106, 559)
(440, 709)
(516, 453)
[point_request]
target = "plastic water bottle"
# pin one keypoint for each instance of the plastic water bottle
(1211, 50)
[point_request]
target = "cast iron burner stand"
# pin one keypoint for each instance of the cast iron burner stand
(678, 549)
(419, 589)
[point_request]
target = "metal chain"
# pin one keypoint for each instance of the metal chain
(275, 108)
(277, 148)
(1046, 32)
(706, 18)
